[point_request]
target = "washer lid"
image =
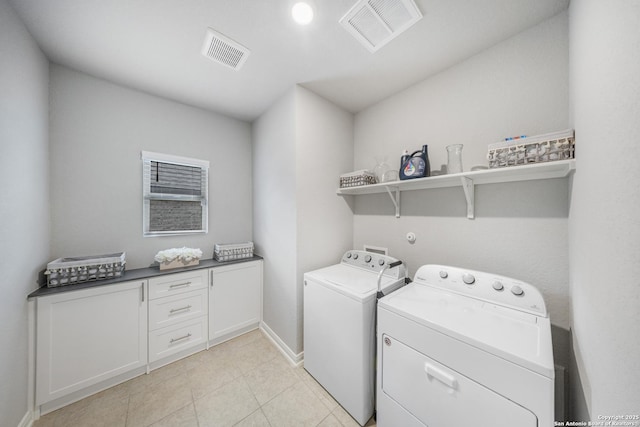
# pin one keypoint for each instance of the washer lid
(522, 338)
(351, 281)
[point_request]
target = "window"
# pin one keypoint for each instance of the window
(175, 195)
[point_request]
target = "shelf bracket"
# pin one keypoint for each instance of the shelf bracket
(469, 194)
(395, 199)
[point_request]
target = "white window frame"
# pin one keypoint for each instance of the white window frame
(147, 195)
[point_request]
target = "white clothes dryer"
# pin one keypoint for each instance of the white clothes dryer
(339, 326)
(458, 348)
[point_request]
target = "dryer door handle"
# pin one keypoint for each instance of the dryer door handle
(445, 378)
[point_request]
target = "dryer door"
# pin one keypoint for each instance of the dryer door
(439, 396)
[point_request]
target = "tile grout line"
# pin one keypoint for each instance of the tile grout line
(126, 415)
(299, 375)
(193, 400)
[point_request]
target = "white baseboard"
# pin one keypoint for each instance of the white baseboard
(27, 420)
(294, 359)
(231, 335)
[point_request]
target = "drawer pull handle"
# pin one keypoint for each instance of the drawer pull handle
(175, 310)
(179, 285)
(180, 339)
(440, 375)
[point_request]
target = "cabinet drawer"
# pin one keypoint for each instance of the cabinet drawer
(177, 308)
(173, 339)
(177, 283)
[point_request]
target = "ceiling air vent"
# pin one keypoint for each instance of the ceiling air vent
(223, 50)
(375, 23)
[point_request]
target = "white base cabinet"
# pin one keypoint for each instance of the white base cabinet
(235, 300)
(88, 336)
(89, 339)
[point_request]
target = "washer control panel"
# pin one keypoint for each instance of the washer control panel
(491, 288)
(374, 262)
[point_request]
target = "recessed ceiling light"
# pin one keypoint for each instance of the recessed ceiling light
(302, 13)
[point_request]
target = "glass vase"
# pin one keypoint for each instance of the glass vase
(454, 158)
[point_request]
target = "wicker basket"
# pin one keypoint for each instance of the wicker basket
(357, 178)
(232, 251)
(538, 149)
(69, 271)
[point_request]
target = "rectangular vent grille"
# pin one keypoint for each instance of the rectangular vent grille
(223, 50)
(375, 23)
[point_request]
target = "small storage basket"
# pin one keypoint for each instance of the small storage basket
(69, 271)
(232, 251)
(538, 149)
(357, 178)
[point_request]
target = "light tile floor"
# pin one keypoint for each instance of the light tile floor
(242, 382)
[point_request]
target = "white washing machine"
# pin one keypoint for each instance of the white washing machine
(464, 348)
(339, 326)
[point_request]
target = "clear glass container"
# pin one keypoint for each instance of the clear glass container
(390, 176)
(454, 158)
(381, 168)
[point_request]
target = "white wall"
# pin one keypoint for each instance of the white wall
(302, 144)
(98, 130)
(324, 151)
(519, 86)
(24, 201)
(274, 213)
(604, 230)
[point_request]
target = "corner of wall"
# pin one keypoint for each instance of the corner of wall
(24, 209)
(274, 216)
(604, 232)
(579, 387)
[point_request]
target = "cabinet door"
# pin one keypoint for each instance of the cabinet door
(235, 299)
(87, 336)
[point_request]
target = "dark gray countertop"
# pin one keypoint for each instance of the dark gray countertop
(129, 275)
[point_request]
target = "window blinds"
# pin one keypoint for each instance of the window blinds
(175, 194)
(170, 178)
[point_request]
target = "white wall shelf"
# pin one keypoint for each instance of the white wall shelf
(468, 180)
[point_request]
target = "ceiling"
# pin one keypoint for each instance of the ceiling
(154, 46)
